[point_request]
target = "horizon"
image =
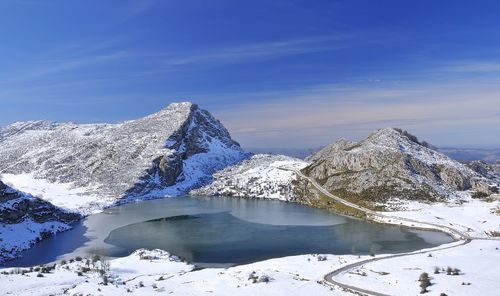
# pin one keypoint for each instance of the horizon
(283, 148)
(277, 74)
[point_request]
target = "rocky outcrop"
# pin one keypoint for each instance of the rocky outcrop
(199, 134)
(391, 163)
(489, 171)
(25, 220)
(16, 207)
(172, 151)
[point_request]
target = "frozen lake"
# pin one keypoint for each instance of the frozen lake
(220, 231)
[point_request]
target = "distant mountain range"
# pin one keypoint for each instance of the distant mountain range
(460, 154)
(292, 152)
(468, 154)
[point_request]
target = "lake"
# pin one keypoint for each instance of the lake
(222, 231)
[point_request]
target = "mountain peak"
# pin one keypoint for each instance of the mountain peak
(397, 137)
(391, 163)
(181, 106)
(178, 147)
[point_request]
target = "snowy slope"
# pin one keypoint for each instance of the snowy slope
(25, 220)
(85, 167)
(261, 176)
(477, 262)
(159, 273)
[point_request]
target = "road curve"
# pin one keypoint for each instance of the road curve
(372, 215)
(329, 279)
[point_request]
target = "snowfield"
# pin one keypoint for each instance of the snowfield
(477, 262)
(261, 176)
(63, 195)
(475, 217)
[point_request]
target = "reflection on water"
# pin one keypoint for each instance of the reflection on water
(215, 231)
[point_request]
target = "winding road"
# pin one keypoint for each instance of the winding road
(329, 279)
(383, 218)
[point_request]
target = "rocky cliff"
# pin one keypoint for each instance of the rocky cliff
(25, 219)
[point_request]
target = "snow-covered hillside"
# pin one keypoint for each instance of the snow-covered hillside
(25, 220)
(261, 176)
(471, 269)
(157, 273)
(85, 167)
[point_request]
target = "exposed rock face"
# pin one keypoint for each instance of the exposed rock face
(25, 219)
(177, 148)
(391, 163)
(16, 207)
(489, 171)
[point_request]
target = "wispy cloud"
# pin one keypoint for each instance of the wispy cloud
(320, 115)
(261, 50)
(474, 66)
(54, 66)
(87, 53)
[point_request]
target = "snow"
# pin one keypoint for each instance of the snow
(19, 230)
(88, 167)
(63, 195)
(85, 168)
(475, 217)
(198, 170)
(478, 262)
(295, 275)
(61, 164)
(261, 176)
(17, 237)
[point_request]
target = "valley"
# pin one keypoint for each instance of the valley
(351, 204)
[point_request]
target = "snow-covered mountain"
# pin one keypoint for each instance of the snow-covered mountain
(261, 176)
(86, 167)
(26, 219)
(392, 163)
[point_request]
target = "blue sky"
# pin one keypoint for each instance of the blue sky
(277, 73)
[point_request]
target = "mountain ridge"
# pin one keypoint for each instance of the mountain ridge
(106, 163)
(391, 163)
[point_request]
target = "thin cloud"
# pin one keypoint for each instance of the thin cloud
(262, 50)
(318, 116)
(474, 67)
(86, 53)
(49, 67)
